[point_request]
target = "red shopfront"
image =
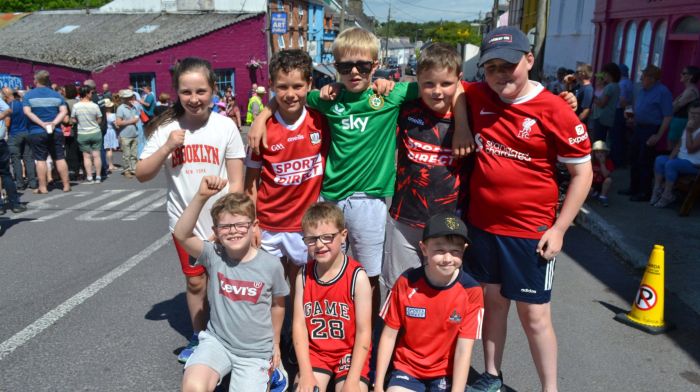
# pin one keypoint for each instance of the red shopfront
(665, 33)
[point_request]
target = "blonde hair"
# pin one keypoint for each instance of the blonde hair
(234, 204)
(323, 212)
(585, 70)
(355, 41)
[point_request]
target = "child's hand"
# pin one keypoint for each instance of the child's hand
(175, 139)
(570, 99)
(383, 86)
(276, 356)
(211, 185)
(307, 383)
(550, 244)
(330, 91)
(462, 144)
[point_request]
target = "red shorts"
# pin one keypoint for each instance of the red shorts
(185, 259)
(337, 366)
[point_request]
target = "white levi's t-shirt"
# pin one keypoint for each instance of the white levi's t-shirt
(204, 153)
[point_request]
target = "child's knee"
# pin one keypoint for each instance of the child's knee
(197, 284)
(196, 383)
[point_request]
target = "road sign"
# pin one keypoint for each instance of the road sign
(646, 297)
(278, 23)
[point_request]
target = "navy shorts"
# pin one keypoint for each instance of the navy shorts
(405, 380)
(511, 262)
(44, 144)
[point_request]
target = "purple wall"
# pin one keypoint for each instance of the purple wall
(230, 47)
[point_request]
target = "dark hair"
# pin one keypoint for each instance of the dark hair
(84, 91)
(694, 73)
(189, 64)
(439, 56)
(613, 70)
(289, 60)
(71, 91)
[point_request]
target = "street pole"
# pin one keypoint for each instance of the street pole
(540, 34)
(342, 16)
(386, 46)
(494, 15)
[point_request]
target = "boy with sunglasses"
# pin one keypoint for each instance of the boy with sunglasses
(332, 308)
(360, 167)
(246, 295)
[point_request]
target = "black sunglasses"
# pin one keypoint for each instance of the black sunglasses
(345, 67)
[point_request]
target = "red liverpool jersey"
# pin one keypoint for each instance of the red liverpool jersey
(291, 170)
(431, 319)
(513, 189)
(329, 309)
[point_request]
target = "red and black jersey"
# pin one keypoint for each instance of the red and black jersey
(430, 320)
(428, 177)
(329, 309)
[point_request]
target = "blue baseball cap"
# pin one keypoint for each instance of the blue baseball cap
(507, 43)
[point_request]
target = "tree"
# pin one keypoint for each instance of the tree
(38, 5)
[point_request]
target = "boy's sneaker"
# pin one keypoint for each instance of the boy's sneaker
(487, 382)
(603, 200)
(279, 380)
(18, 208)
(187, 351)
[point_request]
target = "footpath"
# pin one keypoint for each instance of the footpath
(631, 229)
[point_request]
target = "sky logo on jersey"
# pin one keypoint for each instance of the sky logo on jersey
(353, 122)
(415, 312)
(296, 171)
(239, 290)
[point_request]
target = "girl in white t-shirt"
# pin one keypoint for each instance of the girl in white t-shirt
(190, 142)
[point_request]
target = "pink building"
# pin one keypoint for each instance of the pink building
(643, 32)
(137, 48)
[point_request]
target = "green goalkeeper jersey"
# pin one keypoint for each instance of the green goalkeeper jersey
(362, 153)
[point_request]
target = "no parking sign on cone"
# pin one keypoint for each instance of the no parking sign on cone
(647, 311)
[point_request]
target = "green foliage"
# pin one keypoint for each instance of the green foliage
(38, 5)
(449, 32)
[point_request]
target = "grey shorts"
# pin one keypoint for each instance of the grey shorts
(247, 374)
(90, 142)
(401, 250)
(287, 244)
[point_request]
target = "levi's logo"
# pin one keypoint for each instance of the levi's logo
(415, 312)
(239, 290)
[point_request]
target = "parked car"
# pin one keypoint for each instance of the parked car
(382, 73)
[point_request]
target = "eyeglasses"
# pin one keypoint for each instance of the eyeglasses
(325, 238)
(345, 67)
(241, 227)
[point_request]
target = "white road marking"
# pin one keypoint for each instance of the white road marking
(106, 195)
(159, 195)
(42, 204)
(47, 320)
(151, 208)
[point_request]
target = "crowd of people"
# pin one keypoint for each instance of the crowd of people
(637, 124)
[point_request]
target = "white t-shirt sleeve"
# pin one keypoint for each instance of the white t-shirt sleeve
(154, 142)
(234, 147)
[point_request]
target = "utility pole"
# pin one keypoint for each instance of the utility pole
(494, 15)
(540, 34)
(386, 45)
(342, 16)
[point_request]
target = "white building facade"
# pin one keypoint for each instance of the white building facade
(570, 34)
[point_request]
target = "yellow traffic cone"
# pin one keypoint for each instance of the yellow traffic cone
(647, 311)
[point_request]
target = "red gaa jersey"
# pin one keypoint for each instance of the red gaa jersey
(430, 320)
(329, 310)
(513, 189)
(291, 170)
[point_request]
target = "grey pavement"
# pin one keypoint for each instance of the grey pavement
(631, 229)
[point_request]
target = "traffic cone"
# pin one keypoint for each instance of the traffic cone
(647, 311)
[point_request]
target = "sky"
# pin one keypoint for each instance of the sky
(427, 10)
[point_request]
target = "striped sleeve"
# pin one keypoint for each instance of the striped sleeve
(473, 321)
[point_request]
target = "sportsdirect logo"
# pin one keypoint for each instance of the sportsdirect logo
(427, 153)
(239, 290)
(296, 171)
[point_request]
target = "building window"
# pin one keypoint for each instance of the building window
(630, 40)
(657, 54)
(643, 48)
(138, 80)
(688, 25)
(617, 44)
(225, 78)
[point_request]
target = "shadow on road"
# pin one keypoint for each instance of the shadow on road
(7, 221)
(175, 311)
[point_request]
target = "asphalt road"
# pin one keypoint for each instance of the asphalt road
(92, 298)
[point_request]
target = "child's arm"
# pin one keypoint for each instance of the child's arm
(581, 176)
(258, 129)
(463, 140)
(234, 172)
(193, 245)
(148, 168)
(300, 338)
(277, 312)
(363, 332)
(460, 369)
(386, 348)
(252, 176)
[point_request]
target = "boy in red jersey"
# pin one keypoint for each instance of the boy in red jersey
(332, 308)
(521, 132)
(289, 172)
(438, 309)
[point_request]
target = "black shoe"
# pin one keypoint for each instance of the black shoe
(19, 208)
(625, 192)
(640, 197)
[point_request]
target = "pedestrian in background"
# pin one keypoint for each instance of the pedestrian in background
(605, 104)
(5, 176)
(126, 120)
(689, 77)
(18, 142)
(88, 116)
(74, 159)
(111, 142)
